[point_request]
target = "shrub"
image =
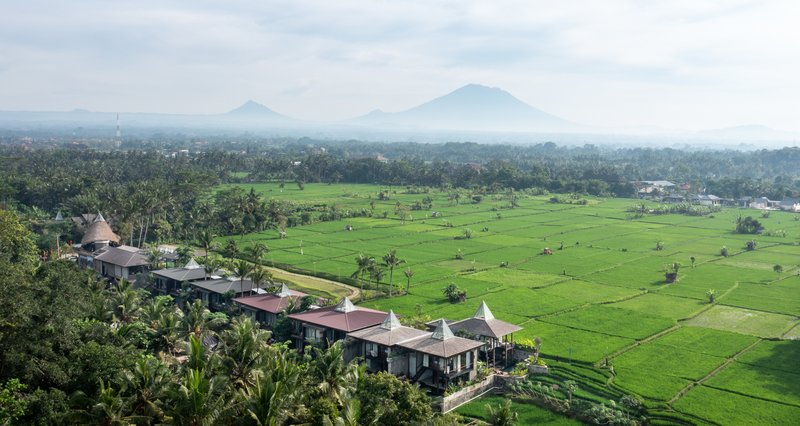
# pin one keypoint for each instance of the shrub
(723, 251)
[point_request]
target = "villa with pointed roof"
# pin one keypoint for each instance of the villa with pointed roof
(321, 327)
(435, 358)
(169, 280)
(440, 358)
(378, 345)
(498, 335)
(265, 308)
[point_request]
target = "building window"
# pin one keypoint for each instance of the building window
(425, 360)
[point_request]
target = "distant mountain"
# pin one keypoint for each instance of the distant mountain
(473, 107)
(749, 133)
(252, 109)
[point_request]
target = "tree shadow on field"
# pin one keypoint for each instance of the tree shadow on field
(781, 359)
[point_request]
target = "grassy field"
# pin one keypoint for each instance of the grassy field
(601, 294)
(529, 414)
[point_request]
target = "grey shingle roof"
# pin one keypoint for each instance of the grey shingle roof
(125, 256)
(389, 333)
(224, 285)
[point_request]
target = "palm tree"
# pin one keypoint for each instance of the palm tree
(390, 260)
(196, 400)
(408, 273)
(184, 255)
(109, 409)
(211, 265)
(243, 347)
(362, 265)
(376, 273)
(503, 416)
(260, 275)
(275, 394)
(351, 416)
(198, 321)
(242, 269)
(206, 241)
(257, 252)
(335, 379)
(125, 301)
(154, 257)
(164, 330)
(145, 386)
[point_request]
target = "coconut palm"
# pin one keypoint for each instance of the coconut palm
(504, 415)
(243, 346)
(145, 387)
(198, 321)
(257, 252)
(259, 276)
(335, 379)
(242, 269)
(362, 266)
(125, 301)
(376, 273)
(108, 409)
(275, 394)
(196, 400)
(408, 273)
(206, 240)
(390, 260)
(165, 329)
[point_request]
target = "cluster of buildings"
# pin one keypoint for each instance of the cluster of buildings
(668, 192)
(444, 354)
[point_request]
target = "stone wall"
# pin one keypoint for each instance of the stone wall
(467, 394)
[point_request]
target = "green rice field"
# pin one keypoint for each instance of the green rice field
(599, 299)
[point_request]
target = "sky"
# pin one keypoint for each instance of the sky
(674, 65)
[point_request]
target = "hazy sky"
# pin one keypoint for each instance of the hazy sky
(674, 64)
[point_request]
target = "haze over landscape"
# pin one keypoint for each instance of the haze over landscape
(724, 70)
(446, 212)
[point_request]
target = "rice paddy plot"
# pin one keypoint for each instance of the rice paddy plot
(527, 302)
(662, 367)
(586, 292)
(569, 344)
(695, 282)
(745, 321)
(674, 308)
(612, 321)
(516, 277)
(779, 355)
(474, 288)
(574, 261)
(766, 383)
(777, 298)
(729, 408)
(705, 341)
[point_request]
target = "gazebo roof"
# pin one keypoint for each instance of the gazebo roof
(483, 323)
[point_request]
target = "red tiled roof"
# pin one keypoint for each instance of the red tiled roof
(268, 302)
(350, 320)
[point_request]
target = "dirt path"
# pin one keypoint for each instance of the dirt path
(312, 282)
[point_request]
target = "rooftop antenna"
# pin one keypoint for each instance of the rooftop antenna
(119, 133)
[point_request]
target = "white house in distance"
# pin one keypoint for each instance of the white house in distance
(790, 204)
